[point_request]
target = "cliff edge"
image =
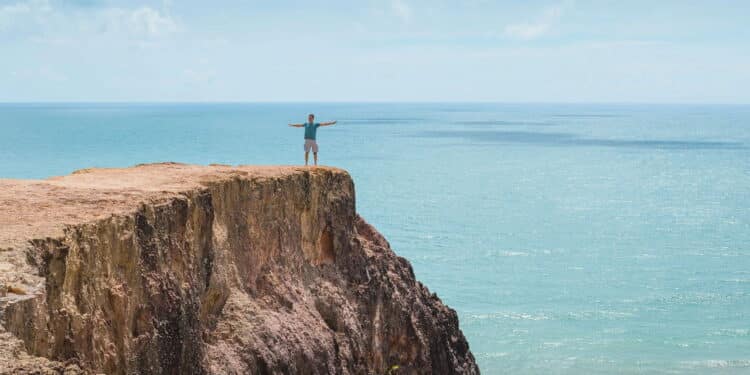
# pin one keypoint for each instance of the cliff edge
(182, 269)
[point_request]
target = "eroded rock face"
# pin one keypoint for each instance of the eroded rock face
(177, 269)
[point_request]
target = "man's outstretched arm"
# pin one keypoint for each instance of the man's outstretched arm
(297, 125)
(328, 123)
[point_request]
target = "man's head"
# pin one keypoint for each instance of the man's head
(310, 118)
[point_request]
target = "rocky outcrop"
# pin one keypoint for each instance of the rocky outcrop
(179, 269)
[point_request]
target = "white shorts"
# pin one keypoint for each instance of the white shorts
(311, 144)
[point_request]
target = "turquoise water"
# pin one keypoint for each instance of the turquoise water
(571, 239)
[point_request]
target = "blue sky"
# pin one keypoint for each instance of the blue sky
(375, 50)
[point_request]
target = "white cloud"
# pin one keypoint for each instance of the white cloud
(41, 20)
(401, 9)
(24, 7)
(24, 14)
(536, 29)
(140, 22)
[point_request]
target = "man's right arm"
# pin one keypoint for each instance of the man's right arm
(297, 125)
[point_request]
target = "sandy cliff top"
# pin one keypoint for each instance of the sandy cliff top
(41, 208)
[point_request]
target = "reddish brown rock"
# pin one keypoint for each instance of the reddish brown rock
(180, 269)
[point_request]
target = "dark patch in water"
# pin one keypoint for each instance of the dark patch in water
(504, 123)
(381, 120)
(587, 115)
(572, 140)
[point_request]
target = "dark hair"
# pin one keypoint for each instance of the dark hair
(311, 115)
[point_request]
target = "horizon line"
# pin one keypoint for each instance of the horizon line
(377, 102)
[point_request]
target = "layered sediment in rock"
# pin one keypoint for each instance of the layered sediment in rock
(179, 269)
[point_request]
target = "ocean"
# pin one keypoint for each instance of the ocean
(570, 238)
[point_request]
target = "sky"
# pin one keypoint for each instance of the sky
(375, 50)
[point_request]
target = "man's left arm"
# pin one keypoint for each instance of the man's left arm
(328, 123)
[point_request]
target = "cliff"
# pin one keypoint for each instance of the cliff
(181, 269)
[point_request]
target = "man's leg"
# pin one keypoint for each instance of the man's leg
(315, 152)
(307, 153)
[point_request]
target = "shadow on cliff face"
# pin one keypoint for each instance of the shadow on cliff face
(572, 140)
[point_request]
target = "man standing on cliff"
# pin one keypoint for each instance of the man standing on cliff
(311, 128)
